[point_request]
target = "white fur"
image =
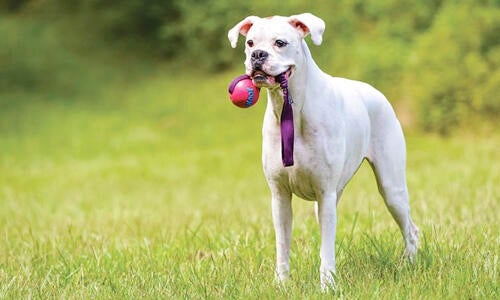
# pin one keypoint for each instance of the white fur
(338, 123)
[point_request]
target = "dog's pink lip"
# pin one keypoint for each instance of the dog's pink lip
(289, 71)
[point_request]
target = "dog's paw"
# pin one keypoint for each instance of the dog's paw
(410, 255)
(281, 276)
(327, 280)
(412, 244)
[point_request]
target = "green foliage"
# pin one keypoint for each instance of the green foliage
(31, 56)
(48, 58)
(202, 33)
(12, 5)
(439, 57)
(133, 21)
(455, 65)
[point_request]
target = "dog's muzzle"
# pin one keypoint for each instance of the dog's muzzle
(257, 59)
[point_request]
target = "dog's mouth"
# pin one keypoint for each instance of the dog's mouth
(263, 79)
(260, 76)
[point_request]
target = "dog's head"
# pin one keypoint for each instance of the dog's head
(274, 44)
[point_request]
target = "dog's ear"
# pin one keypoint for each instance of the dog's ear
(241, 28)
(308, 23)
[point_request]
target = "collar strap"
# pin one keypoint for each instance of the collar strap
(287, 130)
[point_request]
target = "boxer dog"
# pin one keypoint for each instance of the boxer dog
(337, 123)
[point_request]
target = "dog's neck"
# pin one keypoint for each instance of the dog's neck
(297, 87)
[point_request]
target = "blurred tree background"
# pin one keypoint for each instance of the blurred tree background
(436, 59)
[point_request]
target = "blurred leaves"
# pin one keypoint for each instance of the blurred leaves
(441, 56)
(454, 70)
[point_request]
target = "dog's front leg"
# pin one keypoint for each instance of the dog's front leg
(282, 218)
(327, 217)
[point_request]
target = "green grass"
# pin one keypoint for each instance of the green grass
(147, 183)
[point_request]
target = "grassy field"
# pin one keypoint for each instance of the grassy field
(146, 183)
(154, 189)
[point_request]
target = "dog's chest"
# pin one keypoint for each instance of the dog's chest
(311, 163)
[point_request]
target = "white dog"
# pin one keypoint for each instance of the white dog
(336, 124)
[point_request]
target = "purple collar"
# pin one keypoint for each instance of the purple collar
(287, 130)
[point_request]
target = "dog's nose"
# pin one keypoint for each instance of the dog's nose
(259, 55)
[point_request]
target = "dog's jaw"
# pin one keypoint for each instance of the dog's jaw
(262, 79)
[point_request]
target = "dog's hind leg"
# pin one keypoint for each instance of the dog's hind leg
(388, 161)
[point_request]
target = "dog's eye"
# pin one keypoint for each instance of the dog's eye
(280, 43)
(250, 43)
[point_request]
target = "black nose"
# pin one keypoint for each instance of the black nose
(259, 56)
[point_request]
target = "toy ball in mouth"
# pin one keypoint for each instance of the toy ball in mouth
(242, 92)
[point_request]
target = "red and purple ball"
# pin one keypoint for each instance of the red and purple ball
(242, 92)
